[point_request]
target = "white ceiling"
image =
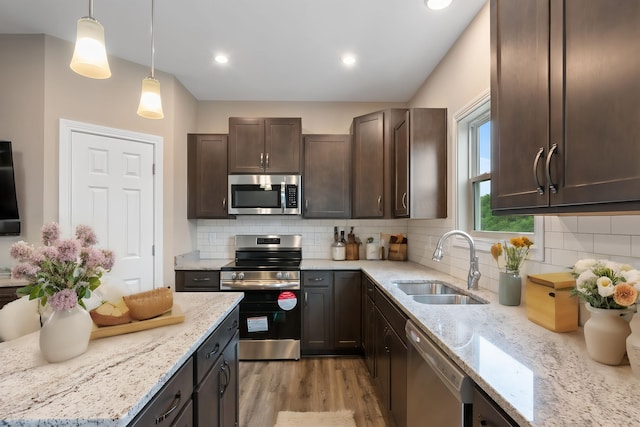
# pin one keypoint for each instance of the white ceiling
(279, 50)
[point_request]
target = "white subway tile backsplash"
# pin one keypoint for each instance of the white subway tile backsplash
(623, 224)
(594, 224)
(578, 242)
(554, 239)
(612, 244)
(562, 224)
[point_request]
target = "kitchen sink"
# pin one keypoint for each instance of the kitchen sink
(446, 299)
(425, 287)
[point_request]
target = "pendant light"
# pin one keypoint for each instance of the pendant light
(150, 101)
(90, 56)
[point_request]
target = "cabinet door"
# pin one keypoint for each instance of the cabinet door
(368, 333)
(317, 289)
(401, 157)
(246, 145)
(383, 356)
(347, 310)
(327, 176)
(519, 103)
(207, 176)
(368, 166)
(594, 63)
(283, 139)
(398, 379)
(229, 387)
(428, 163)
(206, 396)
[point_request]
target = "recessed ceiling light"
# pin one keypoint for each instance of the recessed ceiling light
(221, 59)
(437, 4)
(348, 59)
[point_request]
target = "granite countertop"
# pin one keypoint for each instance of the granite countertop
(117, 376)
(539, 377)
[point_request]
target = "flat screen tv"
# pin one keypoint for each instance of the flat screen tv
(9, 218)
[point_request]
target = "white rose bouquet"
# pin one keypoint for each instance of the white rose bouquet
(606, 284)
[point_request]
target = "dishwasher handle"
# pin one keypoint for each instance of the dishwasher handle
(451, 375)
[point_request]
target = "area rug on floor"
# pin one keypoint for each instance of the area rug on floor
(315, 419)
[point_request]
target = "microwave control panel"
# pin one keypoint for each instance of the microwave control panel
(291, 191)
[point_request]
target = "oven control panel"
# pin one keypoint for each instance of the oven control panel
(243, 280)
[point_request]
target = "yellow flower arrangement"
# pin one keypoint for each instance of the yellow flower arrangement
(515, 253)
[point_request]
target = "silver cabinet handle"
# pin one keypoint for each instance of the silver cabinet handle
(261, 160)
(404, 200)
(539, 155)
(224, 203)
(317, 279)
(201, 279)
(174, 406)
(268, 161)
(380, 203)
(552, 186)
(306, 204)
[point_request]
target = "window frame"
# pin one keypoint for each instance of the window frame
(463, 122)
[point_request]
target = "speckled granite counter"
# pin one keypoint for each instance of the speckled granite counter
(539, 377)
(117, 376)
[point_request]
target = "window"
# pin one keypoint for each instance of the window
(474, 182)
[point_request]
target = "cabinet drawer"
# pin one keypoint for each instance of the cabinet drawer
(185, 419)
(317, 278)
(165, 407)
(394, 316)
(197, 281)
(213, 347)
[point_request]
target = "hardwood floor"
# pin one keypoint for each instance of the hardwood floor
(310, 384)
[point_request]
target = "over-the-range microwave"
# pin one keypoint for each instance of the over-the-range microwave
(265, 194)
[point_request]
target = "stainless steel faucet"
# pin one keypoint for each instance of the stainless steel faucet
(474, 273)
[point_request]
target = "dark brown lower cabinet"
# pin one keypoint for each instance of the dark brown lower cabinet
(205, 390)
(390, 356)
(368, 325)
(331, 312)
(215, 397)
(197, 280)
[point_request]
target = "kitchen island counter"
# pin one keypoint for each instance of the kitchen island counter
(114, 380)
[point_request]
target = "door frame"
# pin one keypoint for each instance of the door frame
(67, 128)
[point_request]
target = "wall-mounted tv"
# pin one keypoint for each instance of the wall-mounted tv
(9, 218)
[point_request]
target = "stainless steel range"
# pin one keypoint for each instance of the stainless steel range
(267, 270)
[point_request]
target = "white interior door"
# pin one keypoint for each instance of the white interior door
(111, 187)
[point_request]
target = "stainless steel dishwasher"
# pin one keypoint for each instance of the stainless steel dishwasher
(438, 392)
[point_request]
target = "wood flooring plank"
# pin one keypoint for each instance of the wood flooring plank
(308, 385)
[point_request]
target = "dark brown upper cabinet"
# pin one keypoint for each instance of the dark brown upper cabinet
(327, 176)
(420, 160)
(564, 90)
(372, 191)
(265, 145)
(206, 176)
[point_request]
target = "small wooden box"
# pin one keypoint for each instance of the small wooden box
(549, 301)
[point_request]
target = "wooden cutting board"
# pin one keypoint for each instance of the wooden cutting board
(175, 315)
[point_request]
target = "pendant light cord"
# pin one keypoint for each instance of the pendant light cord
(91, 9)
(152, 44)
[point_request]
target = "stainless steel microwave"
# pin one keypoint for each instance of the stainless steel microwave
(265, 194)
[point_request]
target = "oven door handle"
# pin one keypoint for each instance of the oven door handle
(259, 287)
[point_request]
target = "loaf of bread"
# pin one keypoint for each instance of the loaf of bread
(111, 314)
(148, 304)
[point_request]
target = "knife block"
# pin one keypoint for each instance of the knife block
(353, 251)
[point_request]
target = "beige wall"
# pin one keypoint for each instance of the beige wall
(317, 117)
(40, 74)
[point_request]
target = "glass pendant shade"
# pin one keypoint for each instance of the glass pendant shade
(90, 55)
(150, 101)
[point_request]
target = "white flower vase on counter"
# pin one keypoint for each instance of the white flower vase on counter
(633, 345)
(65, 334)
(509, 288)
(606, 332)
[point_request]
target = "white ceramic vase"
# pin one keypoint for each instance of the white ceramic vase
(633, 345)
(65, 334)
(606, 332)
